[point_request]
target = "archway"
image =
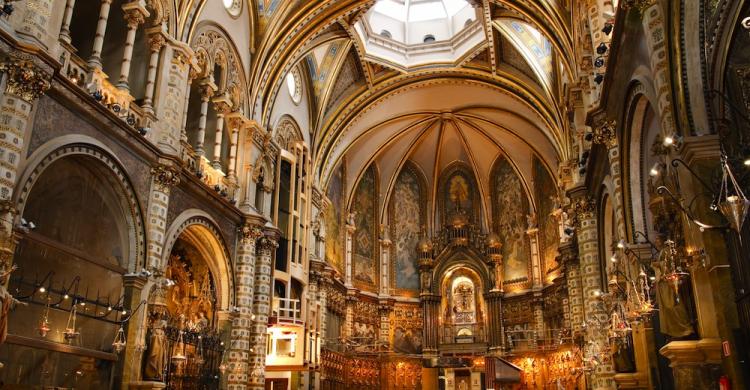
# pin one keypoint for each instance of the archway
(81, 238)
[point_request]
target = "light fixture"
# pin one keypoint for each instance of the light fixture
(607, 29)
(621, 244)
(747, 162)
(42, 289)
(732, 202)
(598, 78)
(613, 259)
(655, 170)
(599, 62)
(119, 343)
(602, 48)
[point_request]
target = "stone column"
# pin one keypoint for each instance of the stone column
(494, 321)
(35, 21)
(207, 89)
(135, 15)
(385, 263)
(67, 16)
(163, 178)
(25, 82)
(536, 258)
(350, 229)
(431, 323)
(95, 61)
(351, 300)
(594, 315)
(239, 348)
(385, 308)
(156, 42)
(222, 104)
(237, 122)
(261, 310)
(569, 260)
(133, 285)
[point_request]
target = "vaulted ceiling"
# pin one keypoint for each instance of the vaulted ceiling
(504, 95)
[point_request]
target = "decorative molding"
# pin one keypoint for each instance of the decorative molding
(606, 134)
(639, 5)
(24, 78)
(165, 176)
(250, 232)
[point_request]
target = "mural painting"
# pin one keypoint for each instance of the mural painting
(545, 192)
(406, 224)
(365, 270)
(458, 194)
(406, 325)
(510, 208)
(332, 218)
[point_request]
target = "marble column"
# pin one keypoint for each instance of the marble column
(36, 19)
(25, 82)
(431, 323)
(385, 308)
(163, 178)
(239, 356)
(67, 16)
(385, 262)
(536, 258)
(95, 61)
(350, 229)
(261, 309)
(222, 105)
(135, 15)
(156, 42)
(594, 315)
(207, 89)
(493, 299)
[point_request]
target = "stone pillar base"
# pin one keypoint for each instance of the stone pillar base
(146, 385)
(634, 380)
(696, 364)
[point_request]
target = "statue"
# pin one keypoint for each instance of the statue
(674, 319)
(7, 301)
(156, 359)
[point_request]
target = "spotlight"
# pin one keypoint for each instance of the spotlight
(66, 296)
(747, 162)
(589, 136)
(124, 312)
(672, 140)
(97, 95)
(42, 289)
(217, 188)
(599, 61)
(116, 107)
(582, 171)
(613, 259)
(585, 154)
(143, 130)
(621, 244)
(598, 78)
(607, 29)
(655, 170)
(7, 9)
(130, 120)
(199, 174)
(602, 48)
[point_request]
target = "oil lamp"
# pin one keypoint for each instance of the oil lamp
(119, 343)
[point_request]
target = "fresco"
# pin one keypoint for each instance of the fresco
(406, 224)
(332, 219)
(365, 272)
(458, 194)
(545, 191)
(510, 207)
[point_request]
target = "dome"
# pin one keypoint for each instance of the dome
(413, 33)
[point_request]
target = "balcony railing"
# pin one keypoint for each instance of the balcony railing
(287, 311)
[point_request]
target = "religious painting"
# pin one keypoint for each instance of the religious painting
(333, 220)
(510, 206)
(406, 329)
(458, 193)
(365, 259)
(545, 191)
(407, 341)
(407, 221)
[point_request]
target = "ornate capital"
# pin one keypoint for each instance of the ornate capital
(250, 232)
(156, 42)
(134, 18)
(583, 208)
(25, 79)
(606, 134)
(222, 104)
(165, 176)
(267, 244)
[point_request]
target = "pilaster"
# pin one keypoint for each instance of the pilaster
(163, 178)
(261, 309)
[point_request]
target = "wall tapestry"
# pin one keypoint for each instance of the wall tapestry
(545, 191)
(365, 259)
(332, 219)
(407, 219)
(510, 207)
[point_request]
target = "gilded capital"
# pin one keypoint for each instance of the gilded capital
(640, 5)
(250, 232)
(156, 42)
(165, 176)
(583, 208)
(606, 134)
(24, 78)
(267, 244)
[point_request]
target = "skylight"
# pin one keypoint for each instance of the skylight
(409, 33)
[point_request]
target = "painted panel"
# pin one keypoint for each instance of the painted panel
(545, 192)
(365, 262)
(458, 192)
(510, 207)
(406, 224)
(333, 221)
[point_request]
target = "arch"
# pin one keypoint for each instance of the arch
(113, 171)
(219, 49)
(197, 224)
(287, 133)
(638, 105)
(460, 257)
